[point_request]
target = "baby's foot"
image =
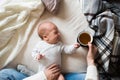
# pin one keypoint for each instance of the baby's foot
(23, 69)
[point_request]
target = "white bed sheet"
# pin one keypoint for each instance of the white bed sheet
(70, 21)
(17, 19)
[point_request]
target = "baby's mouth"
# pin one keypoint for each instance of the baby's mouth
(59, 38)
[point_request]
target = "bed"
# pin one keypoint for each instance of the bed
(19, 19)
(24, 39)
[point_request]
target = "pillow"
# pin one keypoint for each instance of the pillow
(52, 5)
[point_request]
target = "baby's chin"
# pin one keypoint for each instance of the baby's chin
(54, 42)
(57, 41)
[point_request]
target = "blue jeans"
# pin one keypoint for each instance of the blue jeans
(11, 74)
(75, 76)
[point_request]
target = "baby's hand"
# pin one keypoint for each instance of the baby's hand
(76, 45)
(39, 56)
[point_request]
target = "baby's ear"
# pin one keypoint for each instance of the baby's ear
(45, 37)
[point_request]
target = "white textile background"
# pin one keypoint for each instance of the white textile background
(17, 19)
(70, 21)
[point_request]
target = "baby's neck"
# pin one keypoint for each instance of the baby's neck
(50, 42)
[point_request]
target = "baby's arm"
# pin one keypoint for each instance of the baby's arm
(76, 45)
(36, 54)
(39, 56)
(71, 48)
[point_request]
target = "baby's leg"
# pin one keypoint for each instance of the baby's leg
(23, 69)
(60, 77)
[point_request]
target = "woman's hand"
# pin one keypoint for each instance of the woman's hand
(52, 72)
(91, 54)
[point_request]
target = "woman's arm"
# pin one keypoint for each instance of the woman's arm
(92, 73)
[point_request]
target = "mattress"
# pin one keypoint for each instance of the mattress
(70, 21)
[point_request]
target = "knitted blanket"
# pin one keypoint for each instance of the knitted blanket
(17, 19)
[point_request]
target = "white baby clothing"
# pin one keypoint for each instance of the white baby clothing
(52, 53)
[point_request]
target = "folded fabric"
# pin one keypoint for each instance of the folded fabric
(102, 21)
(52, 5)
(103, 37)
(114, 67)
(17, 19)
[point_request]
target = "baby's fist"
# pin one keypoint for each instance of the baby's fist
(76, 45)
(40, 56)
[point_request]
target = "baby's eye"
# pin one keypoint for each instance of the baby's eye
(55, 32)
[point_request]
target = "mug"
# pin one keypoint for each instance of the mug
(84, 37)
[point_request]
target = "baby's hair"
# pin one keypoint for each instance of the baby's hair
(42, 32)
(38, 31)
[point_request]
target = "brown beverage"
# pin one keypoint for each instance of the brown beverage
(84, 38)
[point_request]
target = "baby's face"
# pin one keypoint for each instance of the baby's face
(53, 35)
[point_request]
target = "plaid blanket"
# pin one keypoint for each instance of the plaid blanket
(114, 68)
(102, 21)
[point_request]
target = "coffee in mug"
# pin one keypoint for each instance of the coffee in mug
(84, 37)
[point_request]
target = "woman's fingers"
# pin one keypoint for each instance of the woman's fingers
(52, 72)
(56, 70)
(53, 66)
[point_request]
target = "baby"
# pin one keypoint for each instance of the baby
(48, 51)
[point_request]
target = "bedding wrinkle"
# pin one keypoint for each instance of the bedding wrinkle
(70, 21)
(17, 19)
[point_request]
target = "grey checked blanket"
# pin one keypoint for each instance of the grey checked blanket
(114, 67)
(102, 21)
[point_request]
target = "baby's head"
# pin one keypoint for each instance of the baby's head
(48, 32)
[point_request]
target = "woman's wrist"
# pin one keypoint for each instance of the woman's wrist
(90, 62)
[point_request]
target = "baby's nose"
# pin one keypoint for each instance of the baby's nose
(59, 34)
